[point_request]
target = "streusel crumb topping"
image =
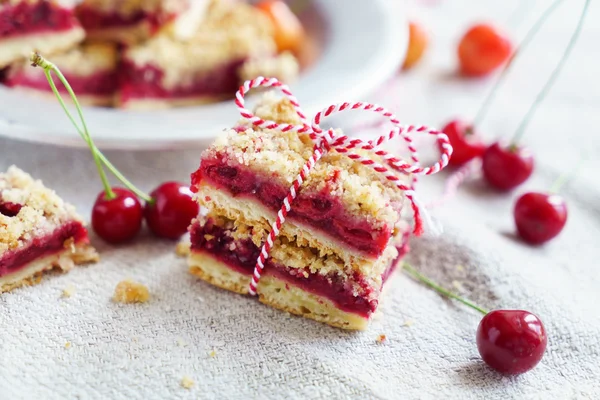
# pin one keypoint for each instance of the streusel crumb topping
(41, 209)
(281, 156)
(132, 7)
(229, 33)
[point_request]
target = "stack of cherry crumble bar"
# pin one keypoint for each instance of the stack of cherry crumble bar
(343, 237)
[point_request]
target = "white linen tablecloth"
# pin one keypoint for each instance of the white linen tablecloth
(231, 346)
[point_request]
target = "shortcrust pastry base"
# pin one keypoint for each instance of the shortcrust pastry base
(65, 260)
(83, 99)
(276, 293)
(17, 48)
(146, 104)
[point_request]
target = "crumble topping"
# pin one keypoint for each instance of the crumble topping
(128, 8)
(187, 382)
(128, 291)
(41, 211)
(283, 66)
(229, 33)
(281, 156)
(84, 60)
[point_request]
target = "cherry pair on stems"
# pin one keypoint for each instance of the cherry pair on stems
(118, 214)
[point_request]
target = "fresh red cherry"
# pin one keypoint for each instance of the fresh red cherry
(465, 143)
(511, 341)
(506, 168)
(540, 217)
(119, 219)
(483, 49)
(172, 210)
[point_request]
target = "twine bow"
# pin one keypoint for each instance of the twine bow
(327, 140)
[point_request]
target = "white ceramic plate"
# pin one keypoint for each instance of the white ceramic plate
(363, 44)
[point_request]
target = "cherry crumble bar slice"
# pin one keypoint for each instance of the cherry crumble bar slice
(132, 21)
(233, 41)
(38, 232)
(46, 26)
(342, 239)
(90, 68)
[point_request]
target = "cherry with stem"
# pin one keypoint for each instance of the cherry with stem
(117, 214)
(510, 341)
(463, 136)
(506, 167)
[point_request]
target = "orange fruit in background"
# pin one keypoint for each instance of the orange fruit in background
(289, 33)
(417, 44)
(483, 49)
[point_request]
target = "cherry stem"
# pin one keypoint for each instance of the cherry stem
(504, 73)
(99, 158)
(544, 92)
(428, 282)
(565, 177)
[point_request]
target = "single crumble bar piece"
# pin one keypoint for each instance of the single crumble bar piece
(128, 291)
(342, 239)
(46, 26)
(38, 232)
(90, 68)
(132, 21)
(166, 72)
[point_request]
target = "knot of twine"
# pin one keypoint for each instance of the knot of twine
(327, 140)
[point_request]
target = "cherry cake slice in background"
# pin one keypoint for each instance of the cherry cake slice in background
(133, 21)
(38, 232)
(342, 239)
(234, 40)
(90, 68)
(46, 26)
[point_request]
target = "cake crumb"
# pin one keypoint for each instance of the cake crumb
(381, 338)
(68, 292)
(187, 382)
(408, 323)
(68, 345)
(458, 286)
(212, 354)
(183, 248)
(128, 291)
(460, 268)
(181, 343)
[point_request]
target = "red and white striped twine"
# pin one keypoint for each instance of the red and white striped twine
(327, 140)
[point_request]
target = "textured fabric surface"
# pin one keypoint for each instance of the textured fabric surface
(87, 347)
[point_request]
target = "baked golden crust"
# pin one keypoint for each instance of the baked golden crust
(128, 8)
(42, 210)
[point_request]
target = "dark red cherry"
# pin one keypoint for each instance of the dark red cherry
(119, 219)
(9, 209)
(506, 168)
(172, 210)
(540, 217)
(466, 144)
(511, 341)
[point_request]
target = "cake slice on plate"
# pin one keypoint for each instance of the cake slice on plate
(132, 21)
(166, 72)
(46, 26)
(38, 232)
(343, 237)
(90, 68)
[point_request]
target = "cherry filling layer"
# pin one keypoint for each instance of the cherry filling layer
(26, 18)
(241, 255)
(43, 246)
(102, 83)
(92, 19)
(320, 211)
(146, 82)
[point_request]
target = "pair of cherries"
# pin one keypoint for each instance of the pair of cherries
(118, 217)
(539, 217)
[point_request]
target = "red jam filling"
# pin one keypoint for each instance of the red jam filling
(145, 82)
(91, 19)
(12, 261)
(26, 18)
(213, 240)
(103, 83)
(320, 211)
